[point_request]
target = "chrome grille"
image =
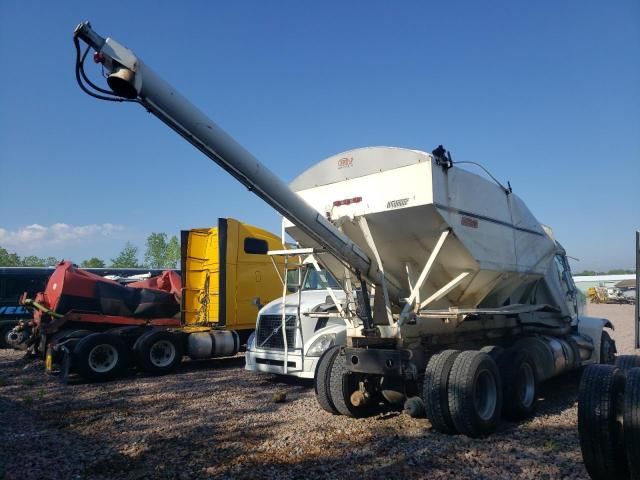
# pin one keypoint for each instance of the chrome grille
(269, 332)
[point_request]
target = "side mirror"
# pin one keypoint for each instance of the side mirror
(256, 302)
(292, 288)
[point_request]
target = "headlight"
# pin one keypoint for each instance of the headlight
(251, 342)
(322, 343)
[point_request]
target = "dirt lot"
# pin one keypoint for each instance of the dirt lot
(214, 420)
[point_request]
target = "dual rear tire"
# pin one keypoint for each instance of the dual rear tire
(467, 392)
(104, 356)
(158, 352)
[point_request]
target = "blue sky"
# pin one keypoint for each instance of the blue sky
(544, 94)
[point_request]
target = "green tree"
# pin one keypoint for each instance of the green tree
(173, 253)
(93, 262)
(33, 261)
(161, 253)
(50, 261)
(9, 259)
(127, 258)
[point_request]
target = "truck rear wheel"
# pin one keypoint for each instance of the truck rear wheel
(435, 390)
(632, 421)
(158, 352)
(100, 356)
(607, 349)
(322, 379)
(599, 395)
(475, 394)
(4, 332)
(343, 384)
(627, 362)
(520, 384)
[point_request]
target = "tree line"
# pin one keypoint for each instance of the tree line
(616, 271)
(160, 252)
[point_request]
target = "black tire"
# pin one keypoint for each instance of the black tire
(435, 391)
(600, 431)
(100, 356)
(158, 352)
(519, 384)
(475, 394)
(342, 384)
(607, 349)
(627, 362)
(321, 380)
(4, 330)
(632, 421)
(494, 351)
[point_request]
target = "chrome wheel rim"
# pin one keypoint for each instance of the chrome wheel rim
(162, 353)
(526, 385)
(485, 395)
(103, 358)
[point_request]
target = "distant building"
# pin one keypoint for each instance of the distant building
(585, 282)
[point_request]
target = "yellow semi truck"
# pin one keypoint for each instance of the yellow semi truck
(227, 275)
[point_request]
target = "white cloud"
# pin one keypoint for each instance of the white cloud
(37, 236)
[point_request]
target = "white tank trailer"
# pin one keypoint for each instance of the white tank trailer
(458, 301)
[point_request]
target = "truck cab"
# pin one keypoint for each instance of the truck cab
(308, 334)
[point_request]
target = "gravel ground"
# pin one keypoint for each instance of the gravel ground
(212, 419)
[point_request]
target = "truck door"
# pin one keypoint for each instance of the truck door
(255, 274)
(568, 286)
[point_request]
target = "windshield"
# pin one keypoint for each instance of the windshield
(315, 280)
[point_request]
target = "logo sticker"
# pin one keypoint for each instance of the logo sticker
(402, 202)
(469, 222)
(345, 162)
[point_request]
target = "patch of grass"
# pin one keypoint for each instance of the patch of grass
(28, 382)
(40, 394)
(27, 400)
(3, 381)
(550, 445)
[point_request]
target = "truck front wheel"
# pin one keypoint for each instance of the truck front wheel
(322, 378)
(158, 352)
(348, 390)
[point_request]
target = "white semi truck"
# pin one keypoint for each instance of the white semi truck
(307, 336)
(454, 292)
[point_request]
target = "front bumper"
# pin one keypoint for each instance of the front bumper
(272, 361)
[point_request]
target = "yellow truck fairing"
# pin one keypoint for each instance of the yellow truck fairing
(224, 269)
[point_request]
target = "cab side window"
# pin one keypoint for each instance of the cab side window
(255, 246)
